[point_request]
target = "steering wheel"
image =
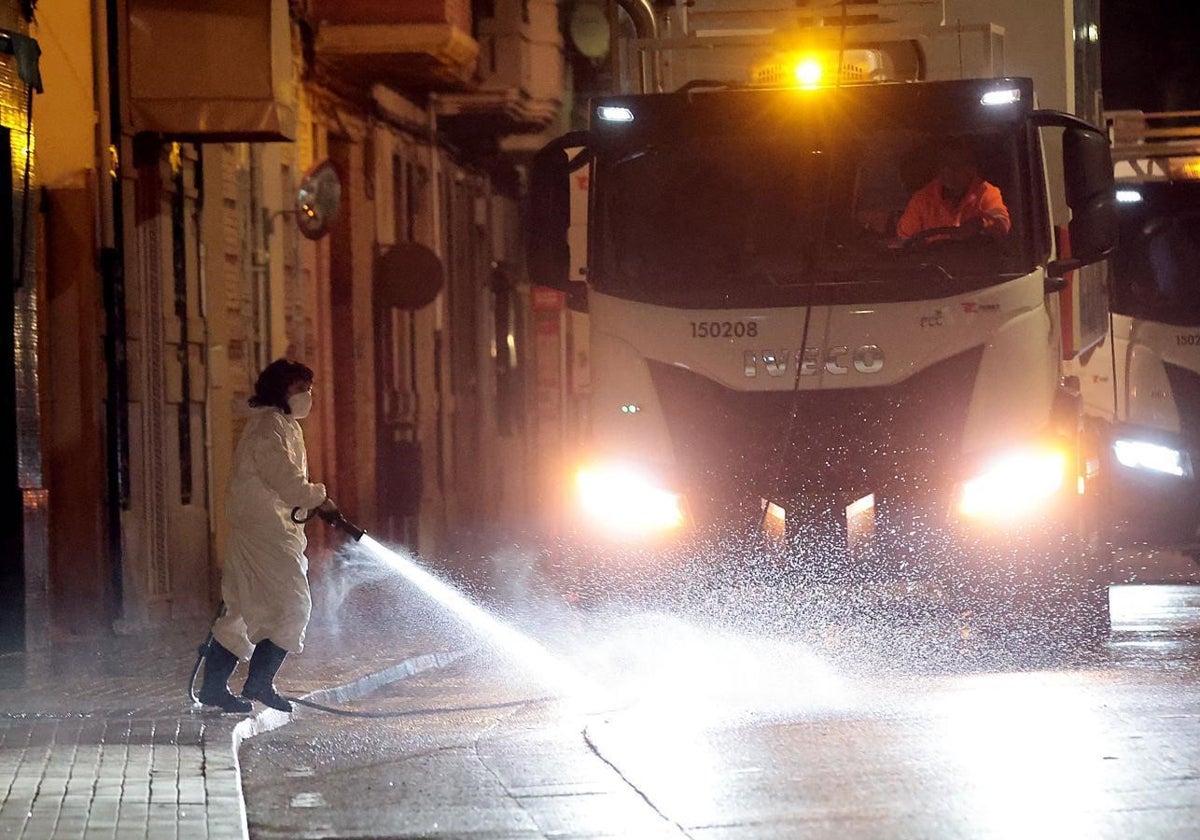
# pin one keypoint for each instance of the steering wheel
(951, 231)
(961, 233)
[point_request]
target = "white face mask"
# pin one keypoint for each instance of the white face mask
(300, 404)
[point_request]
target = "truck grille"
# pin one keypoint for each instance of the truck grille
(889, 440)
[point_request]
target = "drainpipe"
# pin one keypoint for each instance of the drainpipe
(106, 26)
(645, 24)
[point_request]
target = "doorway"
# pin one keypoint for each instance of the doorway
(12, 520)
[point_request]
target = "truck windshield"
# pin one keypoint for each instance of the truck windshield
(786, 214)
(1156, 271)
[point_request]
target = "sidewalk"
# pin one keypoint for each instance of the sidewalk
(98, 738)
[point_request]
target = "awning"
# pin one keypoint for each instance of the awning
(211, 70)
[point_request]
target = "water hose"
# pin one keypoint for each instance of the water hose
(334, 710)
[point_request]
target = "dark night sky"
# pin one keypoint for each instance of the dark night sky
(1150, 54)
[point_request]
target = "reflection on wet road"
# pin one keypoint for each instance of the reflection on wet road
(718, 721)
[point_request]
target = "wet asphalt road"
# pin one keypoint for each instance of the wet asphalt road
(722, 722)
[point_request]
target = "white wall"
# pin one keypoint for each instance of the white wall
(1037, 42)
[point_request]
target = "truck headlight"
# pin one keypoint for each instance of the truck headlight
(626, 502)
(1015, 484)
(1151, 457)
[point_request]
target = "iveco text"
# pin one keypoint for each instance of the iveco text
(867, 358)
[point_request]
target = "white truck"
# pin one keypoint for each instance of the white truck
(1144, 383)
(765, 354)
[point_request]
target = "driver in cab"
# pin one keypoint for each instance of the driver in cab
(957, 198)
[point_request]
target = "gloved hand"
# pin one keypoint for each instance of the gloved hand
(328, 507)
(328, 511)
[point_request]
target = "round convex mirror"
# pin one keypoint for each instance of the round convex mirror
(318, 200)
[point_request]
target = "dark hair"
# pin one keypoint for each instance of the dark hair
(273, 383)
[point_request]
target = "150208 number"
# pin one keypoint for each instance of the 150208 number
(724, 329)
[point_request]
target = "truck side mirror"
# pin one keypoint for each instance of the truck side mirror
(1088, 172)
(1088, 176)
(547, 254)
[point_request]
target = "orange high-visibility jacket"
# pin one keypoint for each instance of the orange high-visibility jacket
(927, 209)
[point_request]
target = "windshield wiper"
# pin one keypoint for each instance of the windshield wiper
(941, 270)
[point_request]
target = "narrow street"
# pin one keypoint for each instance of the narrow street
(599, 418)
(702, 723)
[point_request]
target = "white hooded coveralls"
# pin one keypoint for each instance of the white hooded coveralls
(265, 580)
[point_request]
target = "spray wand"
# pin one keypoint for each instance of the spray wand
(332, 517)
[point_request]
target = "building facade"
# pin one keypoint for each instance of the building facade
(178, 136)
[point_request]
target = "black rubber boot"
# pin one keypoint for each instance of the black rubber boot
(260, 683)
(219, 663)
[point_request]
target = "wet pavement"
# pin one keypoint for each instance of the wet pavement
(98, 738)
(682, 726)
(685, 729)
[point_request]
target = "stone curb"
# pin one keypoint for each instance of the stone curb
(269, 720)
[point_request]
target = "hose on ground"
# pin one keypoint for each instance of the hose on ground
(334, 710)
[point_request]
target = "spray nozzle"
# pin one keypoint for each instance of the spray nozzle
(335, 518)
(332, 517)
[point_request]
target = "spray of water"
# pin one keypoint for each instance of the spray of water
(705, 655)
(522, 649)
(763, 643)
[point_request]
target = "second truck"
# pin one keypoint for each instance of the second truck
(1142, 386)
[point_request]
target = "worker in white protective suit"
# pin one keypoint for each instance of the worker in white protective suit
(265, 580)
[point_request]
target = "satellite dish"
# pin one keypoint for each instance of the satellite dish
(318, 199)
(589, 30)
(408, 276)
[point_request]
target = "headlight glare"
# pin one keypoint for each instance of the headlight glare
(1152, 457)
(625, 501)
(1015, 485)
